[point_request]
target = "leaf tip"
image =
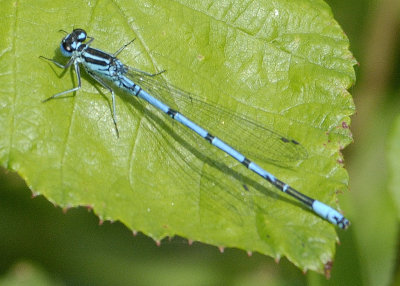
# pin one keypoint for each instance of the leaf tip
(327, 269)
(35, 194)
(89, 208)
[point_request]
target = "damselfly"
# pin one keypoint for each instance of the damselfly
(105, 68)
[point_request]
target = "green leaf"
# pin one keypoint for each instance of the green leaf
(393, 163)
(286, 64)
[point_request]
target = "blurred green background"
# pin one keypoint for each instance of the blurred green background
(42, 245)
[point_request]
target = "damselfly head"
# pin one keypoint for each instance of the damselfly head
(72, 41)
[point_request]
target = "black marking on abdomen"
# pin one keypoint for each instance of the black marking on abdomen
(246, 162)
(209, 138)
(171, 112)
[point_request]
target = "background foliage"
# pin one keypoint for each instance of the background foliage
(44, 241)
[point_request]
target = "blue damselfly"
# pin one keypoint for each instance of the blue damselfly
(105, 68)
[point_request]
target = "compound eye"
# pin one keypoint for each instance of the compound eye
(66, 48)
(67, 45)
(80, 35)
